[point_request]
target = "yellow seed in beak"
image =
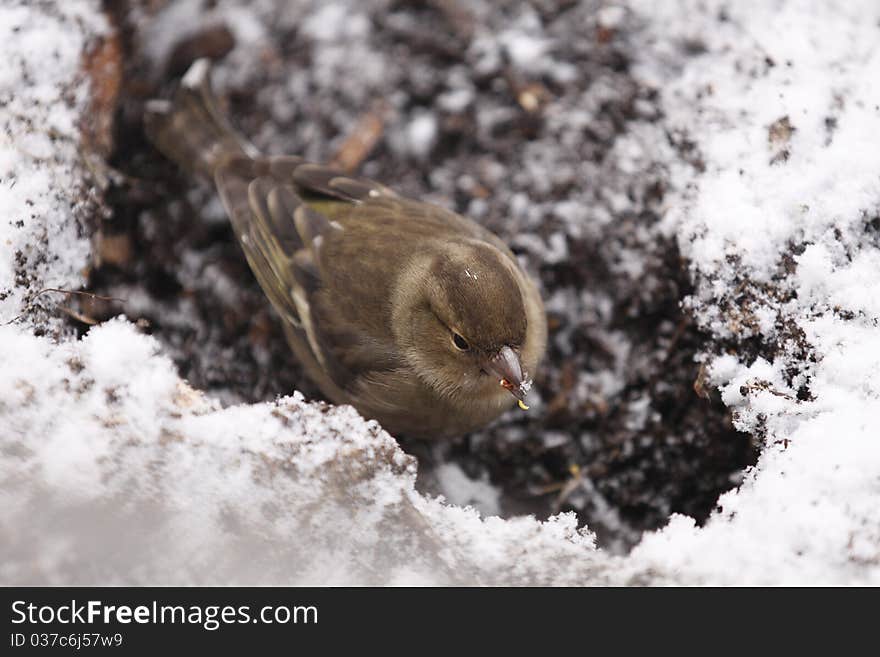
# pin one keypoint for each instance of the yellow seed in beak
(522, 404)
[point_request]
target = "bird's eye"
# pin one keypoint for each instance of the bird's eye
(460, 343)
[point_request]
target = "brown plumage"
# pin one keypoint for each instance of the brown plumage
(416, 316)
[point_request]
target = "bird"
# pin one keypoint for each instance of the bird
(418, 317)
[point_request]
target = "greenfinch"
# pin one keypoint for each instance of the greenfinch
(418, 317)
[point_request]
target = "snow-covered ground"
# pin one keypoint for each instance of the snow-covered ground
(782, 230)
(43, 194)
(114, 470)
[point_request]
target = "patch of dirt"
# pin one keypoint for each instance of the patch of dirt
(557, 160)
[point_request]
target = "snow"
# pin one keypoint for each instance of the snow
(464, 491)
(116, 471)
(610, 16)
(422, 134)
(132, 463)
(809, 512)
(41, 172)
(456, 101)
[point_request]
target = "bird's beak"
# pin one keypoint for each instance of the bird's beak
(505, 366)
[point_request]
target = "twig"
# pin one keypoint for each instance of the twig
(575, 482)
(362, 139)
(91, 321)
(91, 295)
(676, 336)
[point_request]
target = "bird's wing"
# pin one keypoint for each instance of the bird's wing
(283, 211)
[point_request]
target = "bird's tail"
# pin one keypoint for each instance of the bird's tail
(190, 129)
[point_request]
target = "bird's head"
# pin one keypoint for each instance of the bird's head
(463, 324)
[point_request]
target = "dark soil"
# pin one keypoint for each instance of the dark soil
(621, 438)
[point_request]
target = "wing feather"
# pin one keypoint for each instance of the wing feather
(284, 212)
